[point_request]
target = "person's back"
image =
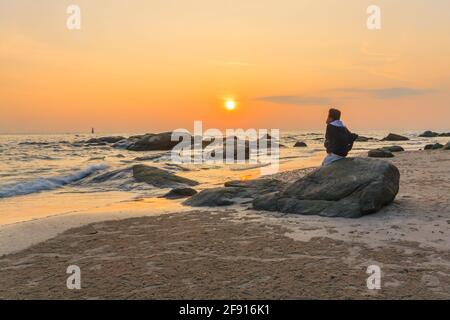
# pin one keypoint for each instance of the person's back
(338, 139)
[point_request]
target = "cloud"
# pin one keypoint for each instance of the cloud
(388, 93)
(296, 100)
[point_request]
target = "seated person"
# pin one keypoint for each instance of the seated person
(338, 139)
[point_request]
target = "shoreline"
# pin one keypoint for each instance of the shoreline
(263, 252)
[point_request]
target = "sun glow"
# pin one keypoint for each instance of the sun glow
(230, 105)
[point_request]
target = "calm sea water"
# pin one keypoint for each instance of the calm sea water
(58, 170)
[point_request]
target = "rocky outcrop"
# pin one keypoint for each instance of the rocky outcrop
(444, 134)
(300, 144)
(394, 137)
(393, 148)
(232, 191)
(153, 142)
(159, 178)
(380, 153)
(433, 146)
(111, 139)
(363, 139)
(447, 146)
(179, 193)
(429, 134)
(348, 188)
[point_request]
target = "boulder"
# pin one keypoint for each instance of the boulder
(159, 178)
(380, 153)
(363, 139)
(214, 197)
(429, 134)
(349, 188)
(300, 144)
(433, 146)
(112, 139)
(393, 149)
(394, 137)
(153, 142)
(447, 146)
(179, 193)
(232, 190)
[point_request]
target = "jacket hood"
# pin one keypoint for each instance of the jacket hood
(337, 123)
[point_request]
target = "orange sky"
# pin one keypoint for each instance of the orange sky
(152, 65)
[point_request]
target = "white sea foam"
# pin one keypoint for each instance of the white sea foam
(43, 184)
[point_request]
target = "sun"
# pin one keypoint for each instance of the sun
(230, 105)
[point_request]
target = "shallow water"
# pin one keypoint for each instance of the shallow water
(46, 175)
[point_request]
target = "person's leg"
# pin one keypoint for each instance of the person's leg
(330, 158)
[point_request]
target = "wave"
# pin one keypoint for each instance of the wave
(43, 184)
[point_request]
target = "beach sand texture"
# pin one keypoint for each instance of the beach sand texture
(234, 253)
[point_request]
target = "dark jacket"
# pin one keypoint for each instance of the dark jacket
(339, 140)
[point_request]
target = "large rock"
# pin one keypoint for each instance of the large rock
(429, 134)
(300, 144)
(348, 188)
(111, 139)
(363, 139)
(395, 137)
(179, 193)
(433, 146)
(393, 148)
(233, 190)
(380, 153)
(444, 134)
(159, 178)
(153, 142)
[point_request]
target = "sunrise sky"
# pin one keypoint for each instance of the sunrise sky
(153, 65)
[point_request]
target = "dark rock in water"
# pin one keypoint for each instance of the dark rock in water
(179, 193)
(232, 190)
(232, 148)
(429, 134)
(393, 149)
(112, 139)
(394, 137)
(433, 146)
(159, 178)
(447, 146)
(380, 153)
(154, 142)
(300, 144)
(348, 188)
(444, 134)
(34, 143)
(363, 139)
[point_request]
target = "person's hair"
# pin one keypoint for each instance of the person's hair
(334, 114)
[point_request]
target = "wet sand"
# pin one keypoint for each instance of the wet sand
(245, 254)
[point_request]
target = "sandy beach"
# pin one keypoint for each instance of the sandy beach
(237, 253)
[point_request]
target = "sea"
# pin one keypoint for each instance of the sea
(55, 174)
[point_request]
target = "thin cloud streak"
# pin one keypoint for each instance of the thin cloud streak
(387, 93)
(296, 100)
